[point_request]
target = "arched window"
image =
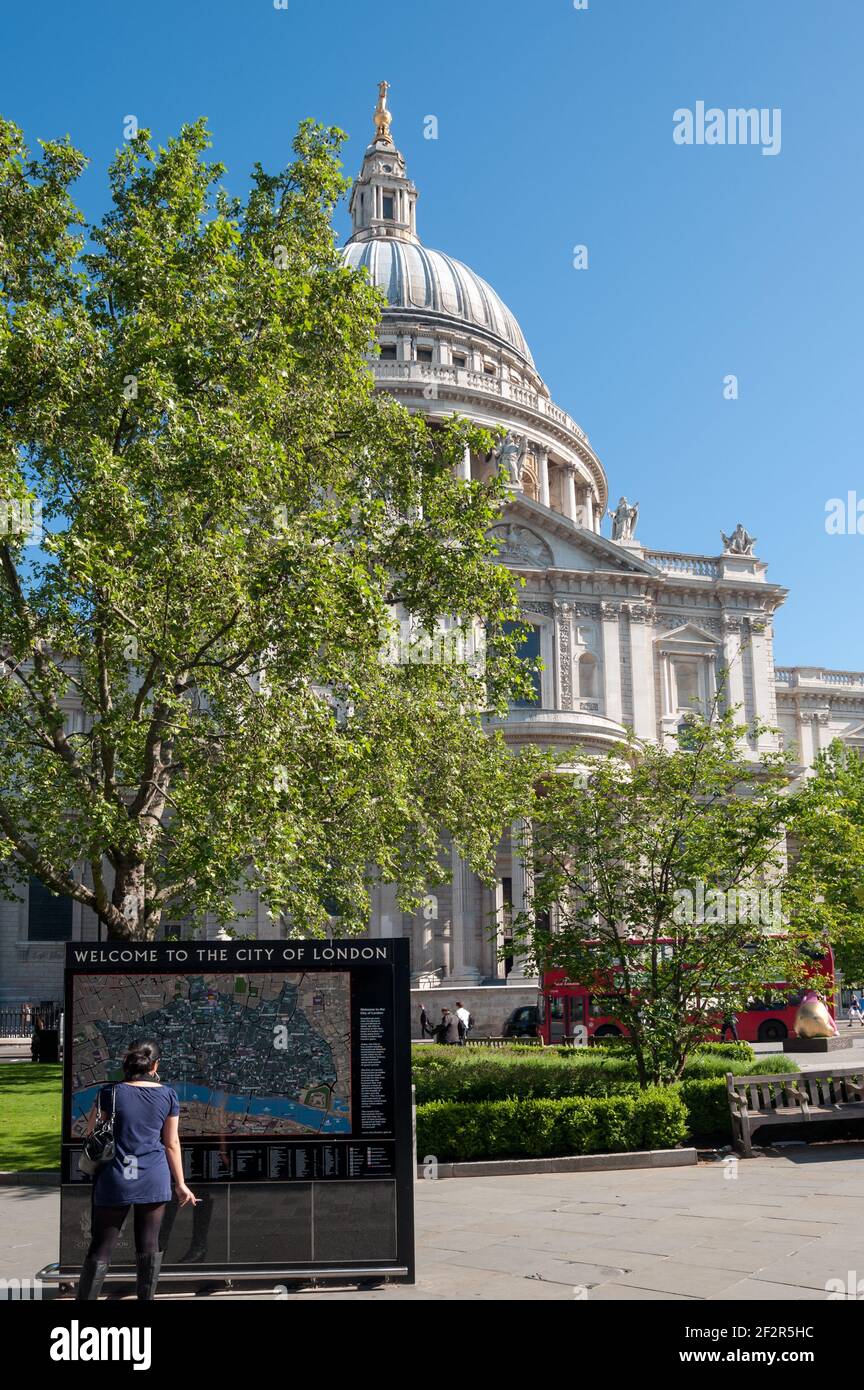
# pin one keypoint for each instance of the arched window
(587, 677)
(529, 478)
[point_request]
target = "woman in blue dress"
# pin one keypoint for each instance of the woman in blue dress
(147, 1157)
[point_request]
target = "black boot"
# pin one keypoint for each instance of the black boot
(148, 1276)
(92, 1278)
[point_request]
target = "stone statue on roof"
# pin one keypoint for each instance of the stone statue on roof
(739, 543)
(624, 520)
(382, 117)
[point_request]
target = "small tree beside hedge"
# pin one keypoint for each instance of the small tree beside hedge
(641, 860)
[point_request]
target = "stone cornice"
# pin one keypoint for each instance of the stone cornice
(794, 700)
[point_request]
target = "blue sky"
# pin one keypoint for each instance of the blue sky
(555, 129)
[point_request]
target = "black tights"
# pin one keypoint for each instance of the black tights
(107, 1222)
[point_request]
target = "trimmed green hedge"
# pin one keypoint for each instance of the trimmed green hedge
(452, 1074)
(490, 1077)
(764, 1066)
(453, 1132)
(735, 1051)
(459, 1087)
(695, 1110)
(707, 1105)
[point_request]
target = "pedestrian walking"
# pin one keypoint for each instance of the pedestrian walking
(464, 1021)
(142, 1161)
(37, 1038)
(426, 1029)
(730, 1026)
(447, 1031)
(855, 1015)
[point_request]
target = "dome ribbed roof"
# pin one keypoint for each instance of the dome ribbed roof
(415, 278)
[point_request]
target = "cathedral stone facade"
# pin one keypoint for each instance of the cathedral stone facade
(627, 635)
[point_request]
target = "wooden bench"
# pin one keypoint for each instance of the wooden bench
(835, 1093)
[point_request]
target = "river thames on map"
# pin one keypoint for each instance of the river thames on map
(257, 1054)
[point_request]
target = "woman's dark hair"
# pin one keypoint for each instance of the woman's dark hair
(140, 1056)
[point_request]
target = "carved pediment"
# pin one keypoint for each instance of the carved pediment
(570, 547)
(688, 638)
(521, 546)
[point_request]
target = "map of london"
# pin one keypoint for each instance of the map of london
(253, 1054)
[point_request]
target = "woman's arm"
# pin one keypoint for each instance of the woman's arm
(171, 1140)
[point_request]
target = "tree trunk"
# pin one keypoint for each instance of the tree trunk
(128, 899)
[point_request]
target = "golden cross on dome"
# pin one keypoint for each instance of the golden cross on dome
(382, 117)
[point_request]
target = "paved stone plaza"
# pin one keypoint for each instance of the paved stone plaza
(778, 1228)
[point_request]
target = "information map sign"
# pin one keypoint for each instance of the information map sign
(292, 1065)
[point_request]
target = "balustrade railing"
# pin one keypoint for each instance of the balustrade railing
(684, 564)
(816, 675)
(494, 384)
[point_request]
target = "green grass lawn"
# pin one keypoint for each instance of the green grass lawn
(30, 1096)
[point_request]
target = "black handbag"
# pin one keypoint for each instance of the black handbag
(99, 1148)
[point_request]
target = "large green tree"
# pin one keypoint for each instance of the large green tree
(231, 517)
(664, 871)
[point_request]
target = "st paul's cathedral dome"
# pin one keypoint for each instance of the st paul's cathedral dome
(448, 343)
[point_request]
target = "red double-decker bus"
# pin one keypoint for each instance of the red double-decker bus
(568, 1009)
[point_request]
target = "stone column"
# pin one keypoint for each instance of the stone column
(764, 693)
(498, 900)
(543, 475)
(520, 873)
(462, 970)
(589, 511)
(564, 654)
(446, 941)
(570, 491)
(733, 660)
(642, 667)
(463, 471)
(821, 736)
(426, 960)
(390, 918)
(489, 925)
(613, 706)
(807, 737)
(416, 929)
